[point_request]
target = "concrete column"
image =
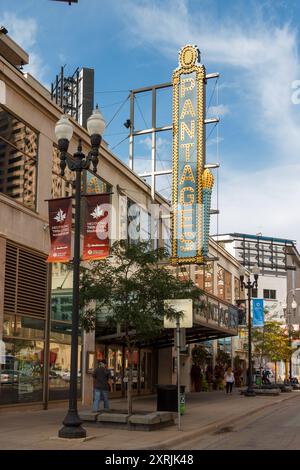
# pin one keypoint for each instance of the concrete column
(215, 351)
(115, 216)
(87, 379)
(165, 363)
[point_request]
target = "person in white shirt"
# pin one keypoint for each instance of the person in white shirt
(229, 380)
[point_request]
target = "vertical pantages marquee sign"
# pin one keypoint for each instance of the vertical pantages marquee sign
(192, 184)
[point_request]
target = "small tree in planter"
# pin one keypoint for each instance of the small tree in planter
(222, 361)
(238, 371)
(131, 286)
(209, 376)
(199, 358)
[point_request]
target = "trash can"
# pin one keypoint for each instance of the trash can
(182, 399)
(167, 398)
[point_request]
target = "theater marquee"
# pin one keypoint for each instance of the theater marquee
(192, 184)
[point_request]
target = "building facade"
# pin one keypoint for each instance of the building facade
(36, 297)
(278, 260)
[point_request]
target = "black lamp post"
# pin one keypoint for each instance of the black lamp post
(78, 162)
(249, 286)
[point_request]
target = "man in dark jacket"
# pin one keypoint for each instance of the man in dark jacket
(102, 382)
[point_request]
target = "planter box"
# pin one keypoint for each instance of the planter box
(140, 421)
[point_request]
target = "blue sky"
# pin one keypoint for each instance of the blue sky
(131, 43)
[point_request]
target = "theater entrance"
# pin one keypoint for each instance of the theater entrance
(118, 363)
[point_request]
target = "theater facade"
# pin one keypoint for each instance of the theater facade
(36, 297)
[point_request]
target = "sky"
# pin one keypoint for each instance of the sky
(254, 45)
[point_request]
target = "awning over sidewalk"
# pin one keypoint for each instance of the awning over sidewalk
(212, 319)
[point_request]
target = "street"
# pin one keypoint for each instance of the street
(275, 428)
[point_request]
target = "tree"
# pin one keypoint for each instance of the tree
(223, 360)
(200, 356)
(131, 286)
(272, 342)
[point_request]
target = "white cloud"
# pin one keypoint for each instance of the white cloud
(264, 58)
(218, 111)
(262, 201)
(24, 32)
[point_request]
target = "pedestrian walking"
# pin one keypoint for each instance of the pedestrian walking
(229, 380)
(102, 384)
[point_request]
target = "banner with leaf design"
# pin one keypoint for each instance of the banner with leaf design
(97, 213)
(60, 226)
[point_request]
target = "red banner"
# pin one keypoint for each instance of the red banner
(97, 215)
(60, 225)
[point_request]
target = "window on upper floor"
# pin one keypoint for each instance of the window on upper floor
(270, 294)
(138, 223)
(209, 277)
(237, 288)
(18, 159)
(254, 293)
(228, 286)
(199, 276)
(221, 282)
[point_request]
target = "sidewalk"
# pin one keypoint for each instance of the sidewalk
(205, 412)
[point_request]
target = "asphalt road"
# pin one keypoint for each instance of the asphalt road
(276, 428)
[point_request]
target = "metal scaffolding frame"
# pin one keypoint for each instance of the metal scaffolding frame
(154, 130)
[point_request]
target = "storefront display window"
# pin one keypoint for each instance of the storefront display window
(60, 333)
(22, 371)
(60, 370)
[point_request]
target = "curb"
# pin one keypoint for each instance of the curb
(211, 427)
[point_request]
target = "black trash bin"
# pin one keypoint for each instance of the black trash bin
(167, 398)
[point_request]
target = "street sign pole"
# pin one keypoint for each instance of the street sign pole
(178, 370)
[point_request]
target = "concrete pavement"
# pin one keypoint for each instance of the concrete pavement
(273, 428)
(205, 412)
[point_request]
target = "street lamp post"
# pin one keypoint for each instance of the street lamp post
(249, 286)
(78, 162)
(288, 318)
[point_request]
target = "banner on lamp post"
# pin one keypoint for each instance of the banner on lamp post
(60, 226)
(97, 214)
(258, 312)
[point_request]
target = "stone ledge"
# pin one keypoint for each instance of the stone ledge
(150, 418)
(88, 416)
(142, 422)
(113, 418)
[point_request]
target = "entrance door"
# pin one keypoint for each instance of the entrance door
(146, 371)
(114, 364)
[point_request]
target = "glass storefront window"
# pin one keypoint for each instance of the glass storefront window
(134, 368)
(60, 370)
(22, 371)
(24, 327)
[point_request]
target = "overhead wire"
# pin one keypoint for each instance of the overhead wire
(117, 112)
